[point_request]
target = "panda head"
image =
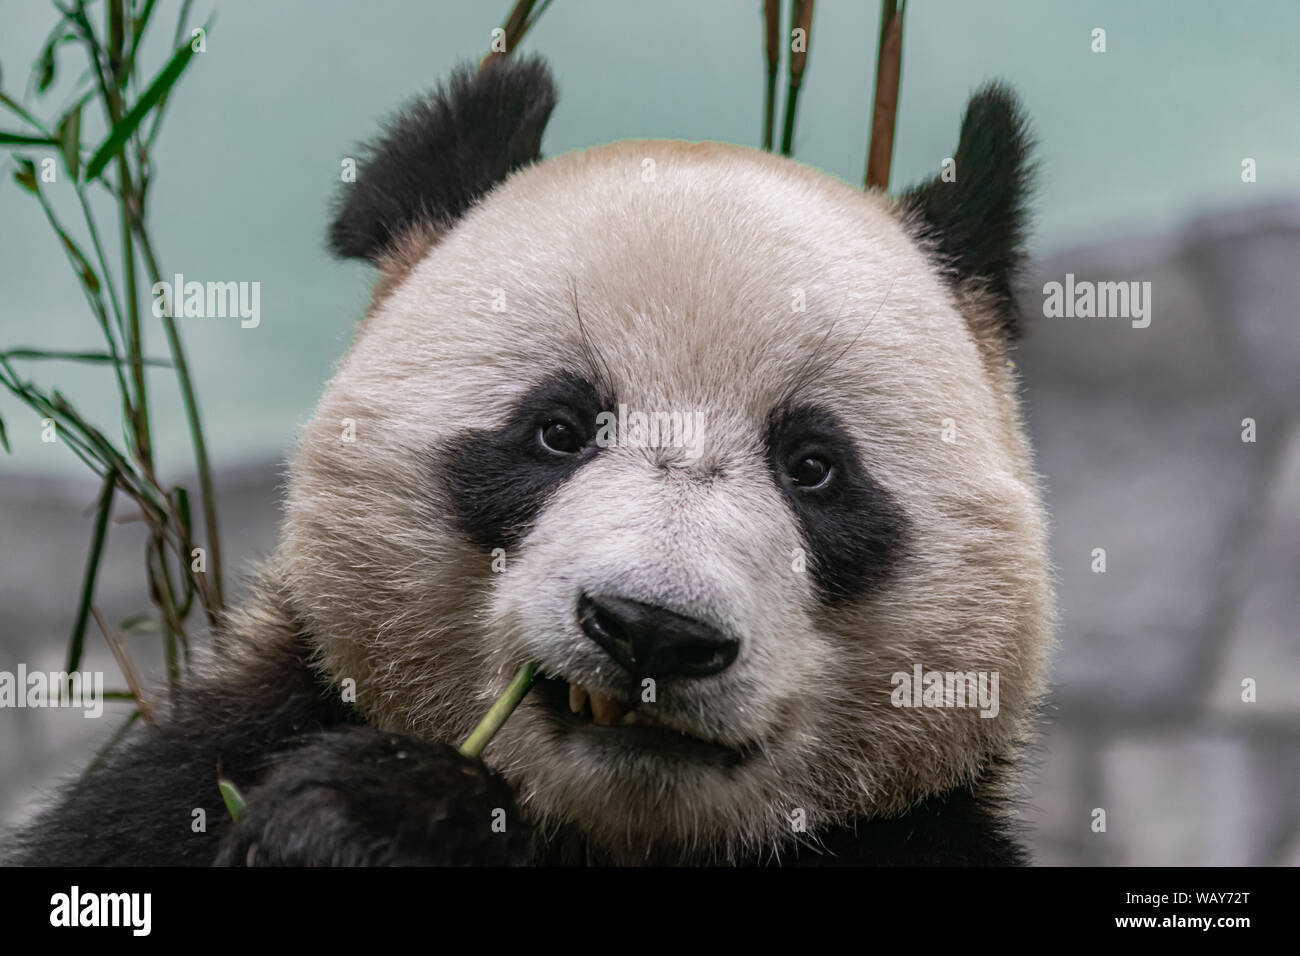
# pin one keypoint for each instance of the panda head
(719, 442)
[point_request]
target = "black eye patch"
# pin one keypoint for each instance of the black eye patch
(852, 526)
(500, 478)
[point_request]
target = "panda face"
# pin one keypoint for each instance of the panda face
(745, 598)
(710, 438)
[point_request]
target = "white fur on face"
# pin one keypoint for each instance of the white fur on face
(687, 284)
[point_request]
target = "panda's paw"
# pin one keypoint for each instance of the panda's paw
(360, 797)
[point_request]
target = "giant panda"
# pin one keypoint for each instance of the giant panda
(722, 628)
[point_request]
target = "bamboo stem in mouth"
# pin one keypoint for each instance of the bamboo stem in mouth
(496, 716)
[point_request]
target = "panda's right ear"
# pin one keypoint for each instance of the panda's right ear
(442, 153)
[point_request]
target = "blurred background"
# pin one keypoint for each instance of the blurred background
(1138, 431)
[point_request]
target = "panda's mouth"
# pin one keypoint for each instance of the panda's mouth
(580, 709)
(603, 711)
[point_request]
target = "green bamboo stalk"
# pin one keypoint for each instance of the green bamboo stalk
(884, 115)
(135, 344)
(124, 661)
(164, 596)
(497, 714)
(113, 298)
(105, 507)
(802, 16)
(132, 206)
(117, 21)
(521, 20)
(110, 94)
(207, 489)
(772, 46)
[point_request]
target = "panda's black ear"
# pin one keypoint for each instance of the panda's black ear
(975, 224)
(443, 152)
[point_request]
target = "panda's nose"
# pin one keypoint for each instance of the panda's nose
(650, 641)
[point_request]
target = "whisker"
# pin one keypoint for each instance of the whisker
(597, 366)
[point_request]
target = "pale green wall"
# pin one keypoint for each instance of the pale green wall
(1136, 139)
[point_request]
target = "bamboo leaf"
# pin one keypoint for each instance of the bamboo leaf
(45, 66)
(140, 24)
(233, 798)
(70, 141)
(18, 139)
(101, 358)
(85, 272)
(78, 642)
(181, 21)
(4, 438)
(94, 438)
(139, 624)
(18, 111)
(129, 123)
(185, 519)
(25, 175)
(183, 512)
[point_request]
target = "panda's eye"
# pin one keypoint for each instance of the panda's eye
(560, 437)
(810, 472)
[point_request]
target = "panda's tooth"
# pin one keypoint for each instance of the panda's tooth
(577, 698)
(605, 711)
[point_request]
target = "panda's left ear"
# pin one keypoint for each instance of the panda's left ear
(974, 220)
(442, 153)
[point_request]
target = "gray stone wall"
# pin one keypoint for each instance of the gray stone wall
(1139, 438)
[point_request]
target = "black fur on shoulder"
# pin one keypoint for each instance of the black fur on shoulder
(443, 152)
(975, 226)
(136, 805)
